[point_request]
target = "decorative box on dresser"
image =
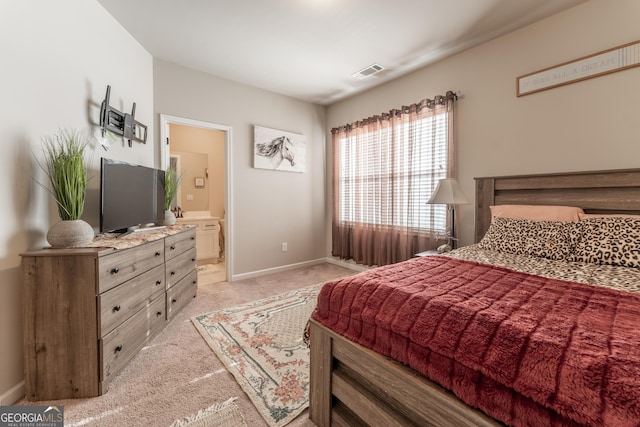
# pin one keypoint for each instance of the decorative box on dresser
(88, 311)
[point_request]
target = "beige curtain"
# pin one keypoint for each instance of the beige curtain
(384, 170)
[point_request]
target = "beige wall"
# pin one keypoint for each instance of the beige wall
(58, 58)
(209, 142)
(192, 167)
(269, 207)
(589, 125)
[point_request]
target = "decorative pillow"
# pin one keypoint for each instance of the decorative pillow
(537, 212)
(608, 240)
(546, 239)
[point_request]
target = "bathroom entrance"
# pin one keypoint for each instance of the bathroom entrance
(198, 152)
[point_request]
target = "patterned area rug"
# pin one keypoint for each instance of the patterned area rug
(261, 344)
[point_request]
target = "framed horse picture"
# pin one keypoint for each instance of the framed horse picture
(278, 150)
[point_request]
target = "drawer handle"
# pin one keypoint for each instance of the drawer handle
(173, 300)
(116, 308)
(172, 247)
(193, 259)
(173, 273)
(194, 282)
(158, 253)
(158, 282)
(159, 313)
(115, 270)
(193, 238)
(118, 348)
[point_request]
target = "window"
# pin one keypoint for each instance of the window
(385, 169)
(387, 179)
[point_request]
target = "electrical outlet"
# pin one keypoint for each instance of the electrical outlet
(284, 247)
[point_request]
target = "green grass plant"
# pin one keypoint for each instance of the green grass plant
(171, 184)
(66, 166)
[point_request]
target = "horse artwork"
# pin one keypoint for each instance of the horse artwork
(278, 150)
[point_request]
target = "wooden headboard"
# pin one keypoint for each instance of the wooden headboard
(614, 191)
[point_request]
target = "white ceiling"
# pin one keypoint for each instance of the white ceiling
(309, 49)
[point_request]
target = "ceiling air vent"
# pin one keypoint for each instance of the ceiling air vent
(368, 72)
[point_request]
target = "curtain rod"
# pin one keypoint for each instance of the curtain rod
(439, 99)
(429, 103)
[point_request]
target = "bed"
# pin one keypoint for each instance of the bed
(359, 384)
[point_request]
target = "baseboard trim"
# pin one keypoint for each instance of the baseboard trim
(330, 260)
(12, 395)
(257, 273)
(347, 264)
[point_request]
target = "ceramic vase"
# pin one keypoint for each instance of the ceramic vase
(70, 233)
(169, 218)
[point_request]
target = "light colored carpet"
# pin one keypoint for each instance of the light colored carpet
(177, 374)
(224, 414)
(261, 344)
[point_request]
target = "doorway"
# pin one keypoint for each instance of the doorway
(205, 190)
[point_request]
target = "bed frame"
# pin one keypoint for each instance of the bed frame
(615, 191)
(354, 386)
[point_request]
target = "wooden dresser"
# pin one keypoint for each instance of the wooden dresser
(88, 311)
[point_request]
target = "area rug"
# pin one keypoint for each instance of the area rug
(224, 414)
(261, 344)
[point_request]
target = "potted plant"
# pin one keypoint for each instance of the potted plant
(66, 167)
(171, 185)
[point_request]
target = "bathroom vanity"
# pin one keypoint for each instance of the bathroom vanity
(207, 233)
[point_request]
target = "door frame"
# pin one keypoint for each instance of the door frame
(165, 121)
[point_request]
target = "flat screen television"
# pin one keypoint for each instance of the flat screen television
(131, 196)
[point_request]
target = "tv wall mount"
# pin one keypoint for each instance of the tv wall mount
(124, 124)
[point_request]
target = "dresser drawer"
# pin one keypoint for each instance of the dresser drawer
(126, 340)
(179, 243)
(180, 294)
(119, 303)
(179, 266)
(125, 264)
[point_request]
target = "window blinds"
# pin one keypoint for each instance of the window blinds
(388, 172)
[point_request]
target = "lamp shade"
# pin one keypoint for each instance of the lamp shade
(448, 192)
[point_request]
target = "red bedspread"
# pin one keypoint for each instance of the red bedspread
(525, 349)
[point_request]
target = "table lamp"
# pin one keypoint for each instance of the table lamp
(448, 192)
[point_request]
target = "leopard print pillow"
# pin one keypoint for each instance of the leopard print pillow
(611, 241)
(546, 239)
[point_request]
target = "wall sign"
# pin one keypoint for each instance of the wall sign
(598, 64)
